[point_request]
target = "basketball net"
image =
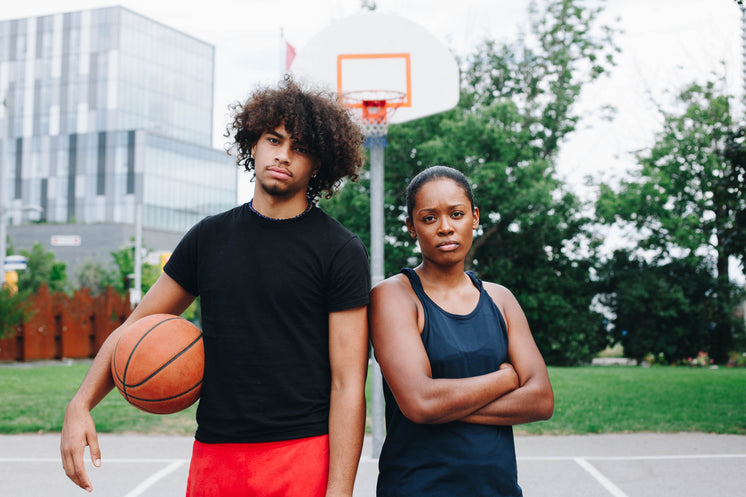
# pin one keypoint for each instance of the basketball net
(372, 109)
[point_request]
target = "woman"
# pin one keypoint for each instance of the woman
(458, 359)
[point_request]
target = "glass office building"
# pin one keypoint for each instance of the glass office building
(106, 109)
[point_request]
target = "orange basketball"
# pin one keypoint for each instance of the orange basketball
(158, 363)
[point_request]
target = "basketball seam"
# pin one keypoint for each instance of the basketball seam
(132, 352)
(181, 352)
(190, 389)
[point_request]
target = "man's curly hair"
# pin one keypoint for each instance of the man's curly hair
(314, 118)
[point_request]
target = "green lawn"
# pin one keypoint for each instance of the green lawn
(34, 400)
(657, 399)
(587, 400)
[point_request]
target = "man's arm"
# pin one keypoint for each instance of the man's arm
(78, 429)
(348, 354)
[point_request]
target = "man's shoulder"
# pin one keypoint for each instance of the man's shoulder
(333, 226)
(230, 216)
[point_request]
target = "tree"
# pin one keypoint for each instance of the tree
(96, 277)
(515, 109)
(41, 267)
(13, 311)
(124, 259)
(688, 198)
(659, 308)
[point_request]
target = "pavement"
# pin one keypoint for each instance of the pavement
(617, 465)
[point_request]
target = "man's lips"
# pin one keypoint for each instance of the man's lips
(278, 173)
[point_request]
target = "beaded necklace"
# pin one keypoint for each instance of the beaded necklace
(251, 206)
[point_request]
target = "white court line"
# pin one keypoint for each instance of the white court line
(154, 478)
(600, 478)
(87, 461)
(632, 458)
(368, 459)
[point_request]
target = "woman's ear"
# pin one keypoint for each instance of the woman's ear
(475, 223)
(410, 229)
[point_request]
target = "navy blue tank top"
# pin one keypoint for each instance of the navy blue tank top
(451, 459)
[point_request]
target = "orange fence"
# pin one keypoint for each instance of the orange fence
(62, 326)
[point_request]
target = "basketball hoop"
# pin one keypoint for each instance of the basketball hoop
(372, 109)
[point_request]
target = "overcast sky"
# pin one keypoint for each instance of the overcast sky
(665, 44)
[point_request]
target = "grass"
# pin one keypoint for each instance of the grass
(634, 399)
(587, 400)
(33, 399)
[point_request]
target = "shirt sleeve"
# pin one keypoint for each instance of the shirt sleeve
(182, 263)
(350, 277)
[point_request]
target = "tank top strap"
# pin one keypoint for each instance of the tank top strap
(416, 283)
(414, 280)
(477, 282)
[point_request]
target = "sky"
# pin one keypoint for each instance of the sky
(665, 44)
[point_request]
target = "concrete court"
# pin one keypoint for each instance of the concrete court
(617, 465)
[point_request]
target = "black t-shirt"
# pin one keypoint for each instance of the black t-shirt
(267, 288)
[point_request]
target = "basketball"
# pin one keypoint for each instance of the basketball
(158, 363)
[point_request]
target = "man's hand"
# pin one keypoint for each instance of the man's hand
(78, 430)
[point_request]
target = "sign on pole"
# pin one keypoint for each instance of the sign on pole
(14, 263)
(65, 240)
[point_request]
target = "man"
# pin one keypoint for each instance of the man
(284, 292)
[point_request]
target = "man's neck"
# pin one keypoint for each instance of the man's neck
(279, 207)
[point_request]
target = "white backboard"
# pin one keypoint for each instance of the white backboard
(375, 51)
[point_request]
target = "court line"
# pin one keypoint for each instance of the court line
(600, 478)
(154, 478)
(368, 459)
(632, 458)
(88, 462)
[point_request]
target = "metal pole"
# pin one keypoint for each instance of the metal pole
(743, 51)
(377, 273)
(136, 293)
(3, 181)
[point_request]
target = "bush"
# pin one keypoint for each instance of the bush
(666, 308)
(737, 359)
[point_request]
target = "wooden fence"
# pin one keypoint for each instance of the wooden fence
(62, 326)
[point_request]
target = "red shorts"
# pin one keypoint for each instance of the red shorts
(289, 468)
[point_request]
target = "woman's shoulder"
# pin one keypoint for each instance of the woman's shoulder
(496, 288)
(500, 294)
(396, 285)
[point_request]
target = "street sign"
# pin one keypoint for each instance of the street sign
(65, 240)
(14, 263)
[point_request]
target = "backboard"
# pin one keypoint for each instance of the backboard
(376, 56)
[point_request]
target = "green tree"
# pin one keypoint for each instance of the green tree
(515, 109)
(688, 198)
(41, 267)
(659, 308)
(96, 277)
(124, 259)
(13, 311)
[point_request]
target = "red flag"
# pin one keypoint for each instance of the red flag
(289, 55)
